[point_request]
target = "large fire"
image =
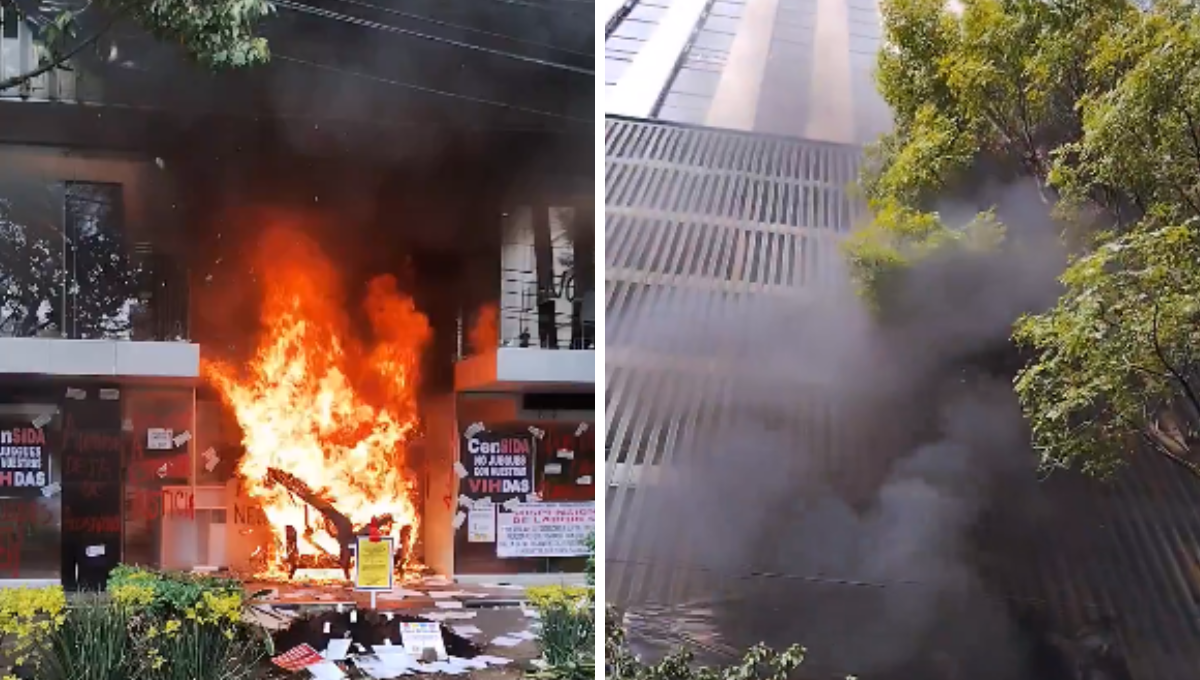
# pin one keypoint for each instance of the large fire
(321, 405)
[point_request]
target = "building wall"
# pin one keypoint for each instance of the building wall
(800, 68)
(562, 470)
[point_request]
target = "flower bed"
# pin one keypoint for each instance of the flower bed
(567, 627)
(146, 626)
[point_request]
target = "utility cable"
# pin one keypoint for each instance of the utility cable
(346, 18)
(460, 27)
(430, 90)
(538, 5)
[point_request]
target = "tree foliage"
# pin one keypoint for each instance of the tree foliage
(1119, 355)
(759, 662)
(217, 34)
(1097, 102)
(71, 280)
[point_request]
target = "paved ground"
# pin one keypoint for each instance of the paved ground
(491, 616)
(420, 594)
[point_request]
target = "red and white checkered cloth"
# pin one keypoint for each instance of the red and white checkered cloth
(297, 658)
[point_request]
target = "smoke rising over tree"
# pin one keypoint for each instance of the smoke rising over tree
(835, 488)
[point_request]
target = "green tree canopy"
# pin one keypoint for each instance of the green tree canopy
(1098, 103)
(216, 33)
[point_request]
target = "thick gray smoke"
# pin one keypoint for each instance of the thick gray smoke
(846, 466)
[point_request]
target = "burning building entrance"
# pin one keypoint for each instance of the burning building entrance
(327, 418)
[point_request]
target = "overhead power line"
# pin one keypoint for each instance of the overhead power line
(460, 27)
(346, 18)
(432, 91)
(544, 6)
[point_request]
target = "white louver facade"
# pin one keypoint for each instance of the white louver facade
(697, 221)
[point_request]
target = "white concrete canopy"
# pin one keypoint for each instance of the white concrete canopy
(520, 368)
(99, 358)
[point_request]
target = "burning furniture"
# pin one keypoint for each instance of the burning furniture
(336, 524)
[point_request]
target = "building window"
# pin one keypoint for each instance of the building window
(11, 24)
(103, 277)
(30, 520)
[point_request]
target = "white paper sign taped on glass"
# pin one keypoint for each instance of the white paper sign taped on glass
(545, 530)
(481, 523)
(160, 439)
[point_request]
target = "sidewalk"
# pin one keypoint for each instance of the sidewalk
(428, 593)
(490, 616)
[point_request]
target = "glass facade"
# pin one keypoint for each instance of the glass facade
(72, 262)
(30, 522)
(783, 101)
(560, 469)
(691, 90)
(630, 35)
(793, 73)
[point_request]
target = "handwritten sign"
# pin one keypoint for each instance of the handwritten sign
(419, 636)
(545, 530)
(375, 564)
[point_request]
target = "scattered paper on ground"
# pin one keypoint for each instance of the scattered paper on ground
(493, 660)
(442, 594)
(449, 615)
(326, 670)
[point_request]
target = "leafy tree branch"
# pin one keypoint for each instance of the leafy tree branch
(1095, 102)
(217, 34)
(57, 61)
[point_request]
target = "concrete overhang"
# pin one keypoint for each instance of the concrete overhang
(99, 358)
(525, 369)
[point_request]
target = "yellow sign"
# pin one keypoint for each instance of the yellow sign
(374, 564)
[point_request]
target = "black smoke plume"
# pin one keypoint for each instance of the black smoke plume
(843, 481)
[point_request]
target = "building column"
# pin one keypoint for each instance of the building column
(831, 102)
(735, 104)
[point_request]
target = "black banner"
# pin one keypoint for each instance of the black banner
(93, 446)
(24, 457)
(498, 465)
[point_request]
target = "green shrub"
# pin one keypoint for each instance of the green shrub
(542, 597)
(567, 637)
(193, 650)
(170, 593)
(148, 626)
(566, 631)
(590, 572)
(91, 643)
(759, 663)
(184, 626)
(27, 618)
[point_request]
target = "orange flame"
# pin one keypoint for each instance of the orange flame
(302, 400)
